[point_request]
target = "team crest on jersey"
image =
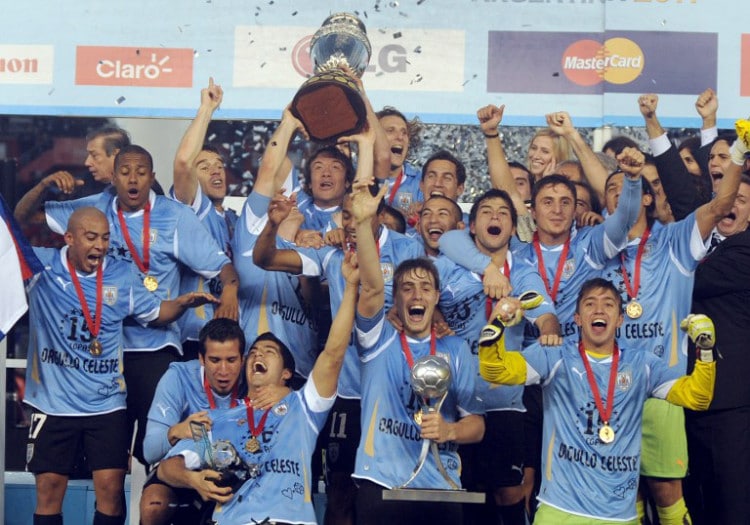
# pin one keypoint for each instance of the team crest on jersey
(625, 379)
(152, 236)
(281, 409)
(568, 268)
(404, 200)
(109, 294)
(387, 269)
(647, 249)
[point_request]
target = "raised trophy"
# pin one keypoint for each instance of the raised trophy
(329, 103)
(430, 381)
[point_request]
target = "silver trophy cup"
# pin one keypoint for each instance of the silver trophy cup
(329, 103)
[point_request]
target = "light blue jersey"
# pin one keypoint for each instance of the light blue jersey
(180, 392)
(394, 248)
(271, 301)
(580, 474)
(62, 377)
(464, 306)
(669, 260)
(408, 191)
(282, 491)
(317, 218)
(221, 225)
(176, 237)
(391, 441)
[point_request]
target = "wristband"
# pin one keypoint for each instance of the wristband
(490, 135)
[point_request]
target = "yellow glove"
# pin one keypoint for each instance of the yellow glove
(700, 330)
(742, 145)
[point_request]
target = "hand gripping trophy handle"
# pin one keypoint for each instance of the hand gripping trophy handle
(430, 379)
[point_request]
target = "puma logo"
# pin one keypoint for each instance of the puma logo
(580, 374)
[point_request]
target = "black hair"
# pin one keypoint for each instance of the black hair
(598, 282)
(529, 176)
(448, 156)
(458, 213)
(396, 216)
(221, 330)
(493, 193)
(136, 150)
(552, 180)
(335, 153)
(420, 263)
(619, 143)
(286, 355)
(595, 203)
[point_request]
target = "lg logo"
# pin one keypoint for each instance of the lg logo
(390, 58)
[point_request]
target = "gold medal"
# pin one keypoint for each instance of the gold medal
(150, 283)
(95, 348)
(418, 416)
(252, 445)
(634, 309)
(606, 434)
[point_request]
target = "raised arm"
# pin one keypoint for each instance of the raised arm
(275, 164)
(680, 190)
(34, 198)
(595, 172)
(265, 254)
(325, 373)
(171, 310)
(185, 179)
(695, 391)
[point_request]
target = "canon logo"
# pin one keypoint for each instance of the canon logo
(19, 65)
(119, 69)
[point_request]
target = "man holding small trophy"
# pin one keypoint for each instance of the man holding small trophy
(400, 373)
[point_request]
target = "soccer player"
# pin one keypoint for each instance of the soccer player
(273, 301)
(654, 274)
(393, 248)
(593, 403)
(185, 394)
(277, 442)
(389, 406)
(158, 236)
(74, 376)
(200, 181)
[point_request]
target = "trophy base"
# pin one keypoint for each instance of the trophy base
(330, 106)
(442, 496)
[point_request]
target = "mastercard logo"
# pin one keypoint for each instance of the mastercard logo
(301, 57)
(617, 61)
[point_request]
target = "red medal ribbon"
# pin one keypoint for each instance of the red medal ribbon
(95, 323)
(141, 264)
(488, 299)
(210, 394)
(552, 292)
(255, 431)
(633, 290)
(395, 187)
(604, 414)
(407, 350)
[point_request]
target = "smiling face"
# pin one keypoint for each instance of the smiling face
(397, 131)
(541, 155)
(209, 167)
(415, 297)
(87, 239)
(327, 180)
(440, 178)
(554, 211)
(492, 226)
(222, 363)
(265, 365)
(737, 219)
(438, 216)
(133, 179)
(598, 314)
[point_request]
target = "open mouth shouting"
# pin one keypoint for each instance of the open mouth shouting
(416, 313)
(259, 368)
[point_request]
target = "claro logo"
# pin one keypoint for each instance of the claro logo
(617, 61)
(134, 66)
